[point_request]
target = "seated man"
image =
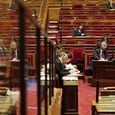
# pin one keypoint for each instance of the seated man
(100, 53)
(60, 67)
(110, 6)
(78, 31)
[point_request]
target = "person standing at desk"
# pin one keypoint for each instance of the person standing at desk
(78, 31)
(60, 67)
(110, 6)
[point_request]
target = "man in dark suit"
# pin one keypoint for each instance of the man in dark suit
(78, 31)
(110, 6)
(100, 53)
(60, 67)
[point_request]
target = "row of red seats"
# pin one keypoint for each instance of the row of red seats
(86, 41)
(86, 23)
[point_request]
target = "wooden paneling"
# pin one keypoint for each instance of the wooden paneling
(104, 71)
(70, 97)
(65, 2)
(53, 13)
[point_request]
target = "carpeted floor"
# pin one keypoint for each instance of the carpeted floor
(86, 94)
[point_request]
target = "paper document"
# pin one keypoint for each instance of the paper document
(69, 78)
(69, 66)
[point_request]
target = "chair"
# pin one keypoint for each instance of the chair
(78, 57)
(97, 28)
(112, 42)
(79, 7)
(69, 41)
(65, 34)
(91, 5)
(98, 34)
(64, 22)
(90, 41)
(67, 28)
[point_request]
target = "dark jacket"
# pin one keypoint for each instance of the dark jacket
(78, 33)
(96, 56)
(60, 71)
(109, 7)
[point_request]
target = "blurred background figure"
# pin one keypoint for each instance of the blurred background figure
(110, 6)
(14, 52)
(3, 49)
(79, 31)
(105, 39)
(12, 5)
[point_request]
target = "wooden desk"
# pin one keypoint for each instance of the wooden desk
(7, 105)
(105, 106)
(3, 67)
(104, 71)
(4, 74)
(70, 97)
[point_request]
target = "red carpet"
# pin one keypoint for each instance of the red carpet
(86, 94)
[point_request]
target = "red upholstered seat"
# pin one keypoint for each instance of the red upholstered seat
(69, 41)
(112, 34)
(112, 42)
(67, 28)
(98, 34)
(77, 55)
(64, 22)
(80, 7)
(97, 28)
(76, 23)
(91, 4)
(66, 34)
(90, 41)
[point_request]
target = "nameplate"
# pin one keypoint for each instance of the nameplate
(70, 82)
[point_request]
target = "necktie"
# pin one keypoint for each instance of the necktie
(102, 55)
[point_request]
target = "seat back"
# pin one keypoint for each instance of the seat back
(90, 41)
(77, 54)
(69, 41)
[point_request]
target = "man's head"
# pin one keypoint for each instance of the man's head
(64, 57)
(13, 45)
(80, 27)
(103, 45)
(58, 48)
